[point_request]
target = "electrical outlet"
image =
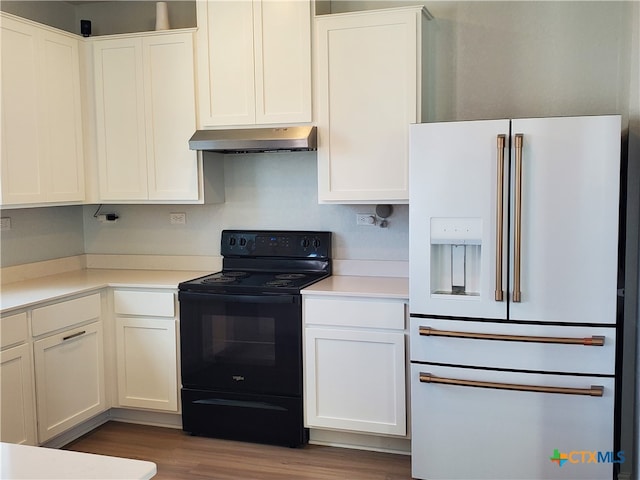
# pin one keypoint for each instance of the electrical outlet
(5, 223)
(368, 219)
(178, 218)
(107, 217)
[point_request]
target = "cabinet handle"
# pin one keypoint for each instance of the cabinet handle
(593, 391)
(499, 216)
(593, 341)
(517, 236)
(74, 335)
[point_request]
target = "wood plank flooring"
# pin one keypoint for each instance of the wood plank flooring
(182, 456)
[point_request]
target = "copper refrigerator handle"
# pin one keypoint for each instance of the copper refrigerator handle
(593, 341)
(517, 236)
(499, 293)
(593, 391)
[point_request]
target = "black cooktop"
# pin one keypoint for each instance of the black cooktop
(236, 281)
(265, 261)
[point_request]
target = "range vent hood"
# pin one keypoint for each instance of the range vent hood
(255, 140)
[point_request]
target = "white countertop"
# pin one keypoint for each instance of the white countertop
(361, 286)
(22, 461)
(30, 292)
(26, 293)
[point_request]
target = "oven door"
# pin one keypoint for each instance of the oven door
(241, 343)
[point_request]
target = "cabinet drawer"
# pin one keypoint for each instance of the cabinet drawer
(148, 304)
(13, 329)
(65, 314)
(452, 422)
(354, 313)
(540, 356)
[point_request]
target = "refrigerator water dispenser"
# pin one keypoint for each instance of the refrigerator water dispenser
(456, 245)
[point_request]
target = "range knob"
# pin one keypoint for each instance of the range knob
(316, 243)
(305, 242)
(243, 242)
(232, 241)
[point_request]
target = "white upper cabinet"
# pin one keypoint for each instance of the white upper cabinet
(42, 151)
(145, 115)
(368, 90)
(254, 62)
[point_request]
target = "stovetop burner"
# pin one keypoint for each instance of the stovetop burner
(290, 276)
(224, 277)
(235, 274)
(278, 283)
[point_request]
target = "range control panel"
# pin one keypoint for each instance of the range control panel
(282, 243)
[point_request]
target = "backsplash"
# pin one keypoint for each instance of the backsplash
(263, 191)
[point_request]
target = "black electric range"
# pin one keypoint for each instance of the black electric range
(241, 337)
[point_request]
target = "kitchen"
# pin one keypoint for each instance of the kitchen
(280, 190)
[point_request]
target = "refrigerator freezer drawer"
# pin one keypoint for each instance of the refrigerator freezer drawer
(445, 342)
(461, 432)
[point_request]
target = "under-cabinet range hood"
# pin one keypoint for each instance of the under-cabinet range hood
(255, 140)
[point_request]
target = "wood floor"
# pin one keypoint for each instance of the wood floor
(181, 456)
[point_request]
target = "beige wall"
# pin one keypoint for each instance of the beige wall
(529, 58)
(107, 17)
(56, 14)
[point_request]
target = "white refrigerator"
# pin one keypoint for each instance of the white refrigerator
(514, 298)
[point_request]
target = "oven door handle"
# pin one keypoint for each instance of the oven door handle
(238, 298)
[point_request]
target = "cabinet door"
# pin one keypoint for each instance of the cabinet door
(147, 363)
(120, 119)
(454, 178)
(42, 157)
(170, 117)
(23, 178)
(569, 221)
(226, 85)
(62, 117)
(69, 379)
(367, 96)
(355, 380)
(282, 44)
(17, 413)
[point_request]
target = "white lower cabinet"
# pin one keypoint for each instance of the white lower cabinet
(17, 418)
(146, 349)
(355, 365)
(17, 401)
(52, 364)
(69, 365)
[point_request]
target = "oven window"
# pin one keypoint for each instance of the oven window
(239, 340)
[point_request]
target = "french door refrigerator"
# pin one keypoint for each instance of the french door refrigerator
(514, 298)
